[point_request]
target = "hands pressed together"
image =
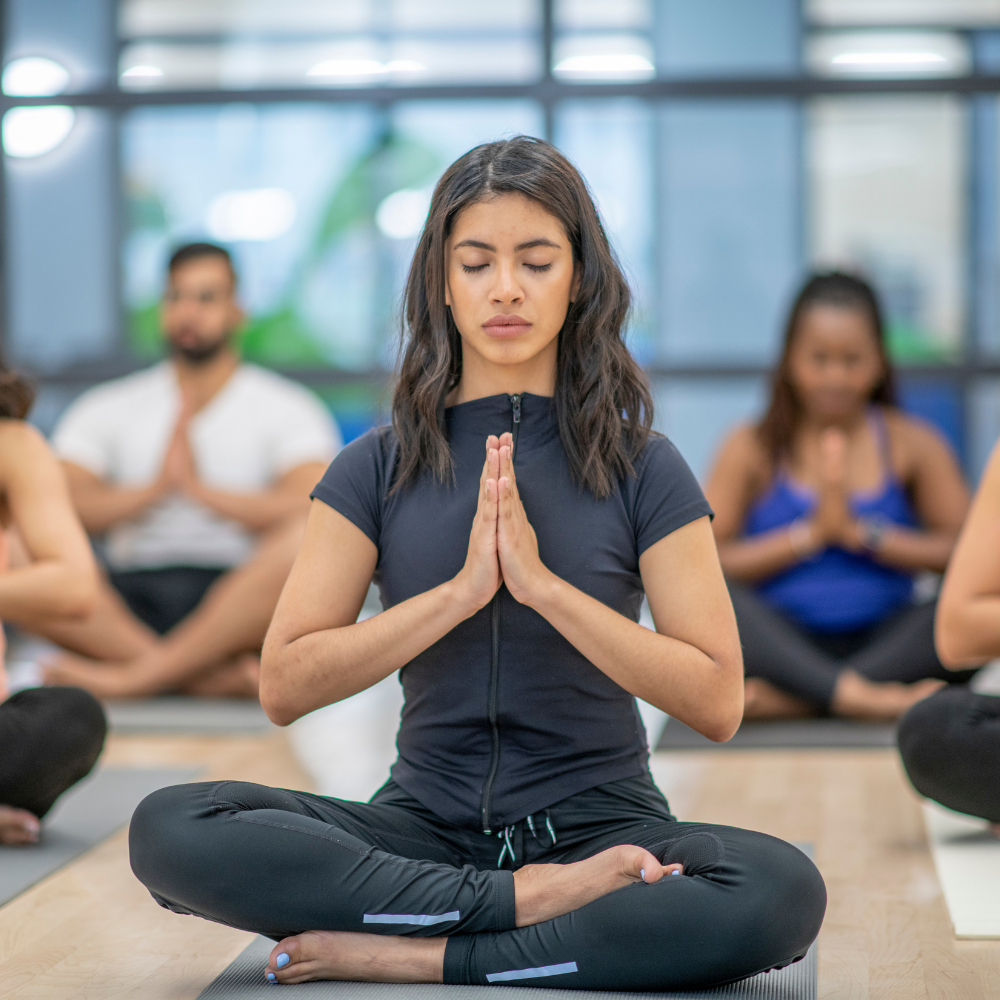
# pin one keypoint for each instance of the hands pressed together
(179, 473)
(832, 522)
(502, 544)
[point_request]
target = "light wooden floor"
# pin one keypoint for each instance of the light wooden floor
(92, 932)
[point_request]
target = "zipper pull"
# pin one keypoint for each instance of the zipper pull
(515, 402)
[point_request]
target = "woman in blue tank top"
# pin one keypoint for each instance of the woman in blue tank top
(825, 511)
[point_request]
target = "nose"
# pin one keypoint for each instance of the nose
(506, 289)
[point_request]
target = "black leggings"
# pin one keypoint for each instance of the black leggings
(950, 745)
(280, 862)
(807, 664)
(50, 738)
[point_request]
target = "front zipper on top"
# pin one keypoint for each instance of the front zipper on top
(515, 406)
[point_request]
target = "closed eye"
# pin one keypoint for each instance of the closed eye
(473, 268)
(538, 268)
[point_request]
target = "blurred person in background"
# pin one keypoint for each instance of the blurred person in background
(825, 511)
(196, 473)
(49, 739)
(950, 742)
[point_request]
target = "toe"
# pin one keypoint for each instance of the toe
(283, 954)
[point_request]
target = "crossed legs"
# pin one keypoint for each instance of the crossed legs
(213, 651)
(385, 891)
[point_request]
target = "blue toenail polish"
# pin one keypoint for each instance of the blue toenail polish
(270, 976)
(642, 874)
(282, 960)
(676, 871)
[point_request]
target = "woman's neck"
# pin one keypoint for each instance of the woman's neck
(482, 378)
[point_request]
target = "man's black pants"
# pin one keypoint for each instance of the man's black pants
(280, 862)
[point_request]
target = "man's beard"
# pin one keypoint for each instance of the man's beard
(200, 354)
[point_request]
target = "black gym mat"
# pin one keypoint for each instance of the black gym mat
(180, 714)
(793, 734)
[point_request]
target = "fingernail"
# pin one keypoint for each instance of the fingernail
(282, 961)
(642, 874)
(270, 976)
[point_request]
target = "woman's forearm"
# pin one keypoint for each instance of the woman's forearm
(675, 676)
(324, 667)
(906, 549)
(751, 559)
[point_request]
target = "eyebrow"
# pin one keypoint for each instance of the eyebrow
(530, 244)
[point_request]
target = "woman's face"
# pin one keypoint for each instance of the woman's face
(509, 281)
(834, 363)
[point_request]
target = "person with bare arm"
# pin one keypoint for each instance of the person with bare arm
(826, 509)
(196, 474)
(950, 743)
(512, 516)
(49, 739)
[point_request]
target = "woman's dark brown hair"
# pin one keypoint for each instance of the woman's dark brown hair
(16, 394)
(842, 291)
(602, 400)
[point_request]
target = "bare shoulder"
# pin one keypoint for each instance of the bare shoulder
(22, 449)
(914, 441)
(743, 452)
(742, 444)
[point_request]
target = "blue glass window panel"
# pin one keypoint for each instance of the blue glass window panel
(938, 402)
(61, 249)
(78, 34)
(730, 224)
(986, 51)
(611, 142)
(984, 425)
(698, 413)
(985, 209)
(310, 291)
(727, 37)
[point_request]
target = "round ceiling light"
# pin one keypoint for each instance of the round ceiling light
(34, 76)
(29, 132)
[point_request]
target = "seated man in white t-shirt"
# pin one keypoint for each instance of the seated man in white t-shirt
(197, 473)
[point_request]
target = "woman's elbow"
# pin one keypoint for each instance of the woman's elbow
(951, 641)
(727, 713)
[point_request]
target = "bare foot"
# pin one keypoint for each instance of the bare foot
(366, 958)
(103, 680)
(858, 698)
(762, 700)
(18, 826)
(236, 678)
(542, 892)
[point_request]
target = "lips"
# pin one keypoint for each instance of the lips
(506, 326)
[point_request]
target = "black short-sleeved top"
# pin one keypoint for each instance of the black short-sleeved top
(503, 716)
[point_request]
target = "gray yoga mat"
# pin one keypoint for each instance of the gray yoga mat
(88, 813)
(179, 714)
(790, 734)
(243, 979)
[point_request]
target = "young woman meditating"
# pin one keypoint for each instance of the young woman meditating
(512, 517)
(825, 510)
(49, 738)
